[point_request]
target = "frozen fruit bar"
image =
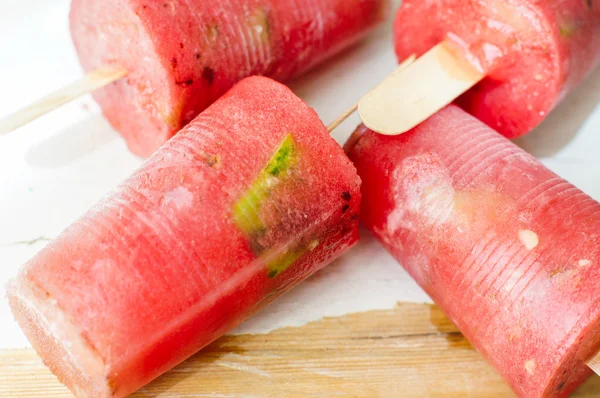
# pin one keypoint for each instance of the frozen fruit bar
(509, 250)
(182, 55)
(247, 201)
(533, 51)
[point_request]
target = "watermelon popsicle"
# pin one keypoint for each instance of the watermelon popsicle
(182, 55)
(509, 250)
(248, 200)
(532, 52)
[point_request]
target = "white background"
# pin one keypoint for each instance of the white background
(52, 170)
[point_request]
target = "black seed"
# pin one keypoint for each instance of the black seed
(346, 196)
(209, 75)
(197, 55)
(561, 385)
(345, 208)
(188, 82)
(354, 217)
(174, 62)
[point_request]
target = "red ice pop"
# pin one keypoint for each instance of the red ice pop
(533, 52)
(509, 250)
(247, 201)
(182, 55)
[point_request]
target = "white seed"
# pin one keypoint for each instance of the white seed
(530, 366)
(584, 263)
(529, 239)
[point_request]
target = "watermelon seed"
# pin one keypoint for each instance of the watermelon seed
(209, 75)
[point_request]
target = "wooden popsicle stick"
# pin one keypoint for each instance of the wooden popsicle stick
(372, 114)
(594, 364)
(410, 96)
(405, 64)
(342, 117)
(91, 82)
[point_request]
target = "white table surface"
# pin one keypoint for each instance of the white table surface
(54, 169)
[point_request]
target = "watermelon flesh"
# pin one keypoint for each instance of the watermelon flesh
(509, 250)
(247, 201)
(183, 55)
(534, 52)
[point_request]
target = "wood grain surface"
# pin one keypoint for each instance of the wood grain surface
(410, 351)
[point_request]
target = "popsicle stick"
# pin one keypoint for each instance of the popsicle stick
(405, 64)
(408, 97)
(594, 364)
(91, 82)
(342, 117)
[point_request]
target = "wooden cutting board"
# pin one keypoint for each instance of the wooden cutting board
(410, 351)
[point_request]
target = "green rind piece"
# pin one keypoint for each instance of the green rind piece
(279, 265)
(247, 210)
(284, 262)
